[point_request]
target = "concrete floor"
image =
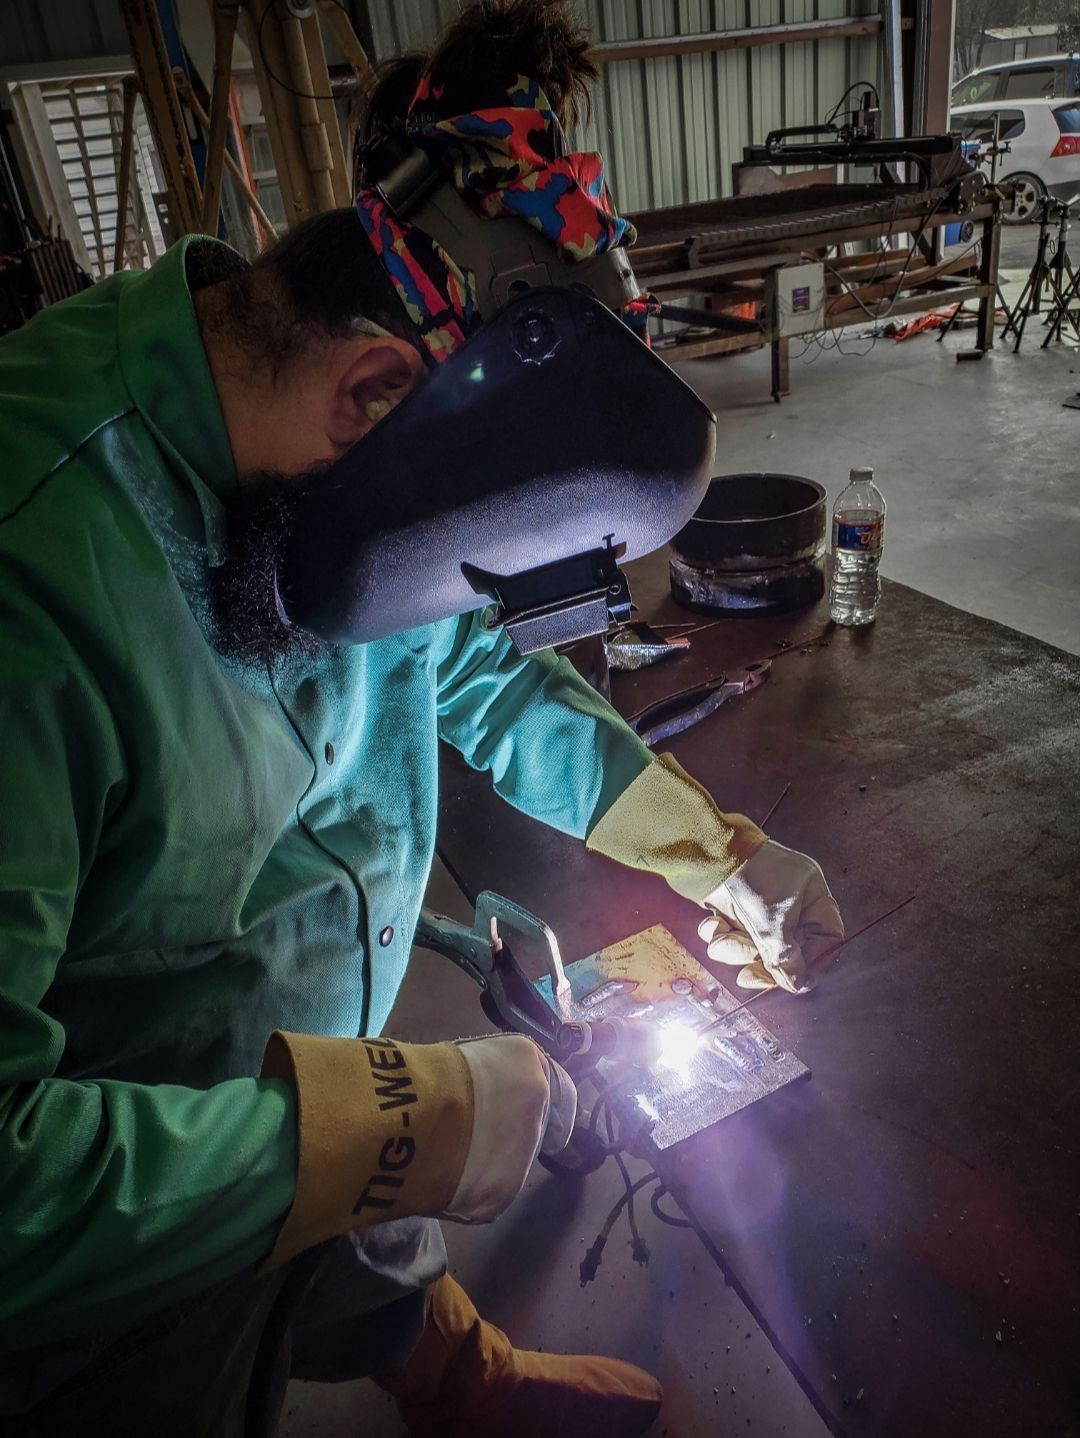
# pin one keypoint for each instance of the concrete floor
(978, 462)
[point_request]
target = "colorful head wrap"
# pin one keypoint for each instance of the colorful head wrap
(506, 159)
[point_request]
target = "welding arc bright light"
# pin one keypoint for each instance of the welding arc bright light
(677, 1044)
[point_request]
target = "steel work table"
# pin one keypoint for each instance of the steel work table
(906, 1225)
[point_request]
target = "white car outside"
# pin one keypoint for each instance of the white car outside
(1043, 77)
(1044, 147)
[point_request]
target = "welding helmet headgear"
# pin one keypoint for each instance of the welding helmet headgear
(548, 441)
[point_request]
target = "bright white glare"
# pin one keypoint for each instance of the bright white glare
(677, 1044)
(647, 1107)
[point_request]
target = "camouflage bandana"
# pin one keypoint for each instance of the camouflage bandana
(506, 159)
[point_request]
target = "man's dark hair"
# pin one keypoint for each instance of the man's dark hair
(313, 286)
(541, 39)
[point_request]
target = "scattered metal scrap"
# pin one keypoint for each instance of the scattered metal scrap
(635, 646)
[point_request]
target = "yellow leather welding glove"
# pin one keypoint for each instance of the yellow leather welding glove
(776, 919)
(390, 1130)
(664, 821)
(772, 913)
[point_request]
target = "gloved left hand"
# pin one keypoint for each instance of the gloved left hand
(776, 919)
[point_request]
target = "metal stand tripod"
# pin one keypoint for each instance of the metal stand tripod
(1067, 306)
(1052, 272)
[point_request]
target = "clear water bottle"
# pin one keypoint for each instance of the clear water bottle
(858, 532)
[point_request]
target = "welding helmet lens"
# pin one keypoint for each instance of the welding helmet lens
(549, 445)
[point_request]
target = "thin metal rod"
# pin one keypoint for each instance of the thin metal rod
(776, 989)
(880, 919)
(772, 811)
(739, 1007)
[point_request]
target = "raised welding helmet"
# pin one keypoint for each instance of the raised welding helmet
(547, 441)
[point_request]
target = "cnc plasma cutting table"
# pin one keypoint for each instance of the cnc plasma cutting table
(716, 264)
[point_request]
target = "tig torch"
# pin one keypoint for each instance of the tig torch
(610, 1038)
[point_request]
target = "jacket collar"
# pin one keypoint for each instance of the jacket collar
(168, 377)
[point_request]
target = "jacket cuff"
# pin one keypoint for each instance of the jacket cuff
(667, 823)
(384, 1130)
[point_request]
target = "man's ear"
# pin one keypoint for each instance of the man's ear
(370, 376)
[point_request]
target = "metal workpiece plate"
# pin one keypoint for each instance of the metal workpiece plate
(923, 1189)
(702, 1078)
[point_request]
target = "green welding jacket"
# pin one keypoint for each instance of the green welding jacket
(192, 855)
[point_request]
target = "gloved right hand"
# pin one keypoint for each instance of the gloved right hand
(523, 1104)
(778, 921)
(389, 1130)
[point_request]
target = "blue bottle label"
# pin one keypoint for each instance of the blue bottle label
(864, 535)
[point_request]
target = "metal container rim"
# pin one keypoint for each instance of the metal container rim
(821, 494)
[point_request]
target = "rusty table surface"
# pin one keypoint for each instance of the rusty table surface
(906, 1226)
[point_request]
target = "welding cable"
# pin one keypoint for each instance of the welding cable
(598, 1107)
(832, 339)
(911, 254)
(614, 1147)
(592, 1152)
(611, 1148)
(876, 318)
(638, 1247)
(665, 1217)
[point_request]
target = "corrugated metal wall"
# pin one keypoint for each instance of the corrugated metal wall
(670, 129)
(35, 33)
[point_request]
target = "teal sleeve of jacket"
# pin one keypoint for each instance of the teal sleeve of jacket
(114, 1197)
(554, 748)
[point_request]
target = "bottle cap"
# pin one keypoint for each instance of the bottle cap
(857, 474)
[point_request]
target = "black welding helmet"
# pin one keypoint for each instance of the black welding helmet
(547, 442)
(550, 444)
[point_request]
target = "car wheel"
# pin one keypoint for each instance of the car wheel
(1030, 192)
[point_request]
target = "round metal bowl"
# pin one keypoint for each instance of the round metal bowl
(755, 545)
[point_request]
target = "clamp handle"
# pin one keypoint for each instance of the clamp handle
(492, 909)
(508, 995)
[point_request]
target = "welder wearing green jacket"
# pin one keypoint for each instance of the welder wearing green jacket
(214, 841)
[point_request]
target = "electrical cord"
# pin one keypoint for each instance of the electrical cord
(911, 254)
(638, 1247)
(828, 339)
(302, 94)
(591, 1262)
(865, 84)
(975, 245)
(820, 340)
(613, 1148)
(664, 1217)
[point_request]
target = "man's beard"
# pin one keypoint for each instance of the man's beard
(248, 627)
